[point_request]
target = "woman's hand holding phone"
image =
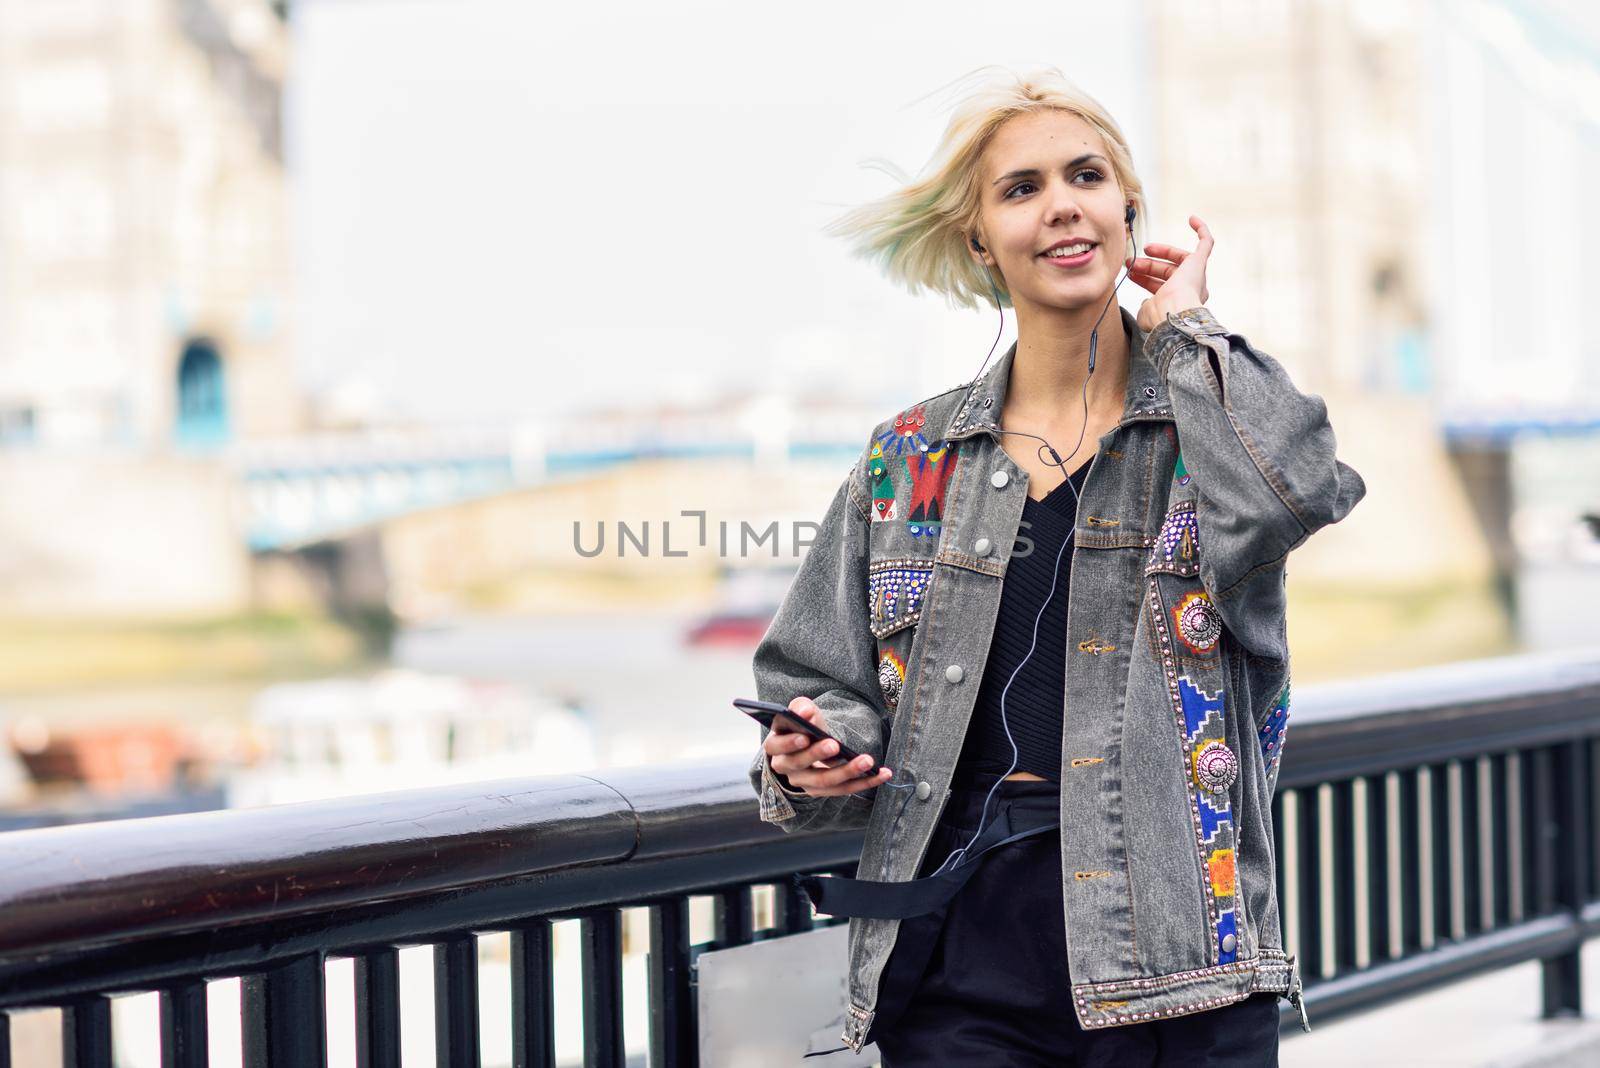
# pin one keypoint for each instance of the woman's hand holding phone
(804, 763)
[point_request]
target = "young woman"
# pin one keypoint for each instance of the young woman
(1068, 858)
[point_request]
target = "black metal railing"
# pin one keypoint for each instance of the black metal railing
(271, 895)
(1441, 823)
(1430, 826)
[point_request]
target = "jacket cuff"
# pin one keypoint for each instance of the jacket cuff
(779, 804)
(1176, 330)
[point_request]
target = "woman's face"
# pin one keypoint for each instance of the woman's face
(1047, 178)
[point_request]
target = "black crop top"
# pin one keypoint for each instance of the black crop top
(1037, 694)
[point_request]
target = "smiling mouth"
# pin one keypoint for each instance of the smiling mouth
(1078, 260)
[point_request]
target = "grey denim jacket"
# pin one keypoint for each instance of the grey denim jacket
(1177, 684)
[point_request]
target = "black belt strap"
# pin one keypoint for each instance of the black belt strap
(1018, 818)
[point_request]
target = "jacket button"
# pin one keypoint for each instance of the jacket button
(1230, 941)
(981, 546)
(953, 673)
(923, 790)
(999, 479)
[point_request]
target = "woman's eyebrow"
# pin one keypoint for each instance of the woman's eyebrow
(1032, 172)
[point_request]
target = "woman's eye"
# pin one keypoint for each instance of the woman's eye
(1097, 176)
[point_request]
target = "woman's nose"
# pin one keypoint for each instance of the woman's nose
(1065, 203)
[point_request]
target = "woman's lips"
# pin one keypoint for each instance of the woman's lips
(1072, 261)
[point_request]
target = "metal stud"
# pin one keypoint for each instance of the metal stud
(1216, 767)
(1149, 391)
(1230, 942)
(1199, 623)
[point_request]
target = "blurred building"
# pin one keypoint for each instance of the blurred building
(1391, 184)
(144, 267)
(144, 297)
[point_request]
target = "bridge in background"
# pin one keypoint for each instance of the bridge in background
(303, 490)
(314, 488)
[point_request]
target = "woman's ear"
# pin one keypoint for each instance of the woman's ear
(979, 252)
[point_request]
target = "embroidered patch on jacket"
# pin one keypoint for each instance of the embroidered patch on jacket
(894, 596)
(891, 677)
(1178, 541)
(930, 474)
(906, 433)
(1198, 622)
(1214, 769)
(1274, 727)
(882, 484)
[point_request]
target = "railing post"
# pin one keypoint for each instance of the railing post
(184, 1026)
(1565, 834)
(533, 1013)
(674, 1038)
(285, 1015)
(378, 1009)
(86, 1033)
(455, 1001)
(601, 935)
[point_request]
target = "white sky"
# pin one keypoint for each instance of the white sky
(502, 206)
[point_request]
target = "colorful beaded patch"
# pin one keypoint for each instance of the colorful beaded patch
(891, 677)
(1178, 541)
(894, 594)
(906, 433)
(882, 485)
(1199, 624)
(930, 474)
(1273, 729)
(1215, 768)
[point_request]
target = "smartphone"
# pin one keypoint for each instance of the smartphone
(766, 712)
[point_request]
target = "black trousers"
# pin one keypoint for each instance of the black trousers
(983, 980)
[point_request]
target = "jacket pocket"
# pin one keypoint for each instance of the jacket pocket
(896, 590)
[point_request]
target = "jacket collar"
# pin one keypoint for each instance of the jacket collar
(1146, 396)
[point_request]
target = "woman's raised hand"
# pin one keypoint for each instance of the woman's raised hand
(1176, 276)
(804, 763)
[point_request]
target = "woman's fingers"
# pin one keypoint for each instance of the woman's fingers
(1157, 268)
(854, 786)
(796, 752)
(845, 779)
(784, 751)
(1152, 284)
(1167, 252)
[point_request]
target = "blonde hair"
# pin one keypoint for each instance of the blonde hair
(918, 234)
